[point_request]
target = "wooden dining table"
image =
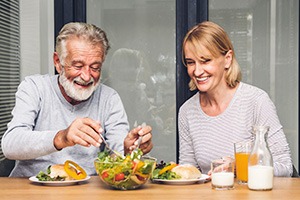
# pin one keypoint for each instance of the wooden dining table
(23, 189)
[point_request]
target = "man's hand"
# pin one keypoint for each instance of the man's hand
(130, 142)
(82, 131)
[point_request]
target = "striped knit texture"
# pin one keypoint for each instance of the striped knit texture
(203, 138)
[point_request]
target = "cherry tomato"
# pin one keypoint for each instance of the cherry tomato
(104, 175)
(120, 177)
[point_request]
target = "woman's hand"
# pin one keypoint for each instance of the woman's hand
(226, 158)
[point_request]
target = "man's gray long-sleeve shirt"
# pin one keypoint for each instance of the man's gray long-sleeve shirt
(41, 111)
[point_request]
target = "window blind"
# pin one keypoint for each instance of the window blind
(9, 60)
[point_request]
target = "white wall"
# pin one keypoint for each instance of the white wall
(37, 37)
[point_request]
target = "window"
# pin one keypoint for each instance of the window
(9, 60)
(141, 65)
(265, 36)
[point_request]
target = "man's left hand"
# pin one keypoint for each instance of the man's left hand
(131, 140)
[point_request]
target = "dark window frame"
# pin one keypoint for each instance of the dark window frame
(66, 11)
(188, 14)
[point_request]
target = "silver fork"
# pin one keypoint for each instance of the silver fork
(139, 142)
(136, 149)
(110, 149)
(140, 137)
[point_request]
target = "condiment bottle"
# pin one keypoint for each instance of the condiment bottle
(260, 166)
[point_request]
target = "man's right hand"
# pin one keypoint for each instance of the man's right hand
(82, 131)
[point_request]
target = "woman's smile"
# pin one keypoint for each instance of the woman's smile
(203, 79)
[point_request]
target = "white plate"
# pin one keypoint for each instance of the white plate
(204, 178)
(58, 183)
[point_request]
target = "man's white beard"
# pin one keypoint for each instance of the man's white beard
(78, 94)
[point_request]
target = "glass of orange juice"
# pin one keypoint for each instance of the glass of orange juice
(242, 151)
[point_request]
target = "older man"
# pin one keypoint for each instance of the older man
(60, 117)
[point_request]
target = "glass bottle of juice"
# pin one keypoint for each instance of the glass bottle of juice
(260, 166)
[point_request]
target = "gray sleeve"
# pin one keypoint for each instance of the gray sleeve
(20, 142)
(279, 147)
(115, 123)
(186, 150)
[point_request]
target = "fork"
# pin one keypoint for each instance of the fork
(140, 137)
(110, 149)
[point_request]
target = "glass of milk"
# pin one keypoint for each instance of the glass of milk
(222, 177)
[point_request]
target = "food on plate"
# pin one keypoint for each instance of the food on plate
(173, 171)
(62, 172)
(187, 171)
(163, 171)
(124, 173)
(59, 171)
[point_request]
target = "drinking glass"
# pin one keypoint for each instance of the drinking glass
(222, 177)
(242, 151)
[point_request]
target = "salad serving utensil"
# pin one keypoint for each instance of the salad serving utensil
(140, 137)
(109, 148)
(139, 140)
(117, 153)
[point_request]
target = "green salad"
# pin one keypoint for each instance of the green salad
(124, 173)
(45, 176)
(163, 171)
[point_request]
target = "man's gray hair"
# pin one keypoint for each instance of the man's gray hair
(90, 32)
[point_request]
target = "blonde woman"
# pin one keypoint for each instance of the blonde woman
(224, 109)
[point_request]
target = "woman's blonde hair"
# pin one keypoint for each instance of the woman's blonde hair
(212, 37)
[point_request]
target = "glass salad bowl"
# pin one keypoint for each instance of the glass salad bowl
(127, 173)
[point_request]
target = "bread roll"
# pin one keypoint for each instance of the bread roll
(187, 171)
(58, 170)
